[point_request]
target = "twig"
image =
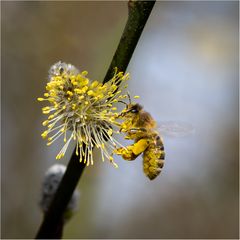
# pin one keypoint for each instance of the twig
(139, 12)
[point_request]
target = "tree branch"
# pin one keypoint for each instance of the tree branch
(139, 12)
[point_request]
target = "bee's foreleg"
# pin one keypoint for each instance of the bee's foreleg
(138, 129)
(134, 133)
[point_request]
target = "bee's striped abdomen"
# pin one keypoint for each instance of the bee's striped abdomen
(153, 157)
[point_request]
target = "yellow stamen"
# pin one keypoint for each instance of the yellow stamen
(74, 106)
(90, 93)
(84, 73)
(44, 134)
(69, 93)
(45, 123)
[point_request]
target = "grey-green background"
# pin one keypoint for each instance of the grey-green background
(185, 68)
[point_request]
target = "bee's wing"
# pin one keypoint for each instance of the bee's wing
(175, 128)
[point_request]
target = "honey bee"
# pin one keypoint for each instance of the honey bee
(138, 125)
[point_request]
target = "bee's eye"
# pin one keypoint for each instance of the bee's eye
(61, 70)
(134, 110)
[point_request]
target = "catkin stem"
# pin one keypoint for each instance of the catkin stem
(139, 12)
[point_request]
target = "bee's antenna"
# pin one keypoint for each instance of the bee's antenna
(129, 98)
(122, 102)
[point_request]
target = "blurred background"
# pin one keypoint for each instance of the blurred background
(185, 68)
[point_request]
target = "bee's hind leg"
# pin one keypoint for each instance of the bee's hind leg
(126, 153)
(133, 151)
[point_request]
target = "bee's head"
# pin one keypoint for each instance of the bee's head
(131, 110)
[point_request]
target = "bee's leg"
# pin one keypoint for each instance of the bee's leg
(126, 125)
(126, 153)
(137, 130)
(133, 151)
(134, 133)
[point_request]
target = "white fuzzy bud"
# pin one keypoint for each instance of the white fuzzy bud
(61, 68)
(51, 181)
